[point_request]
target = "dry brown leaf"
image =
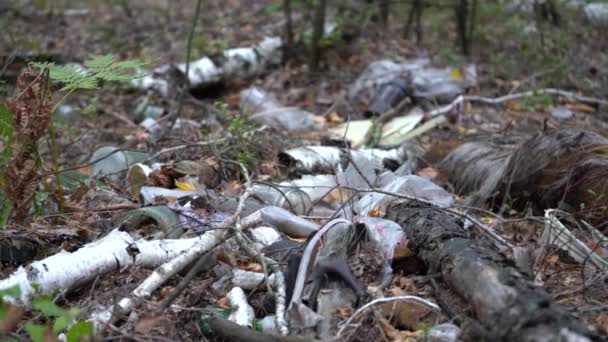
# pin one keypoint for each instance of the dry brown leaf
(253, 267)
(12, 319)
(223, 302)
(428, 172)
(581, 108)
(146, 324)
(601, 322)
(407, 315)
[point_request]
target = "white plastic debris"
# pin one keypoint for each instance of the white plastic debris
(242, 313)
(151, 125)
(387, 233)
(556, 233)
(442, 85)
(446, 332)
(316, 187)
(284, 221)
(267, 325)
(290, 198)
(248, 280)
(597, 14)
(149, 194)
(264, 109)
(109, 161)
(265, 235)
(562, 113)
(412, 186)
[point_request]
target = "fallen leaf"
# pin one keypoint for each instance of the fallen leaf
(335, 118)
(428, 172)
(581, 108)
(601, 322)
(407, 315)
(513, 105)
(320, 119)
(456, 74)
(253, 267)
(146, 324)
(223, 302)
(11, 320)
(185, 185)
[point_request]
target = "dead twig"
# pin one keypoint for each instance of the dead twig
(383, 119)
(279, 281)
(416, 299)
(511, 97)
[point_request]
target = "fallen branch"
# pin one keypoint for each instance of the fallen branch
(279, 279)
(200, 144)
(64, 271)
(505, 302)
(208, 241)
(499, 100)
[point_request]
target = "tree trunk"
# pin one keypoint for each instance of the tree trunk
(384, 9)
(288, 48)
(506, 304)
(317, 34)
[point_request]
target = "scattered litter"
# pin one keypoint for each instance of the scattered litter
(412, 186)
(376, 75)
(165, 218)
(242, 313)
(557, 234)
(137, 177)
(109, 161)
(597, 14)
(394, 132)
(388, 97)
(286, 222)
(150, 194)
(248, 280)
(292, 199)
(442, 85)
(445, 332)
(264, 109)
(562, 113)
(265, 235)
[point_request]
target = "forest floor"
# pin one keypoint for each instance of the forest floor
(508, 56)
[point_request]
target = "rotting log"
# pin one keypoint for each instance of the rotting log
(563, 168)
(506, 304)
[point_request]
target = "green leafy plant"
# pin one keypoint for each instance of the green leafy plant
(238, 126)
(61, 319)
(6, 136)
(29, 118)
(57, 319)
(537, 101)
(97, 68)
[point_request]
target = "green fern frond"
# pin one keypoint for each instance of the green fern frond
(98, 63)
(97, 68)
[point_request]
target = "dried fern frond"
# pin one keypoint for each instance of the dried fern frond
(31, 114)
